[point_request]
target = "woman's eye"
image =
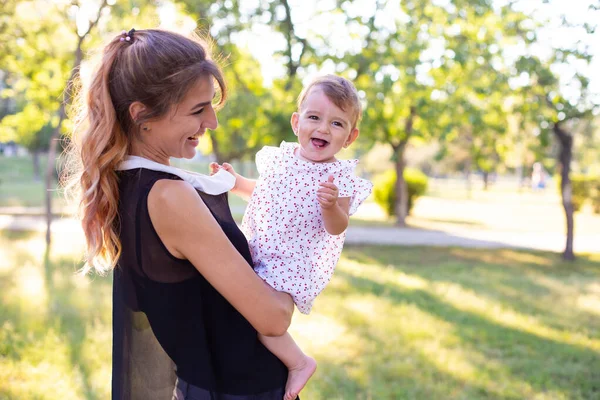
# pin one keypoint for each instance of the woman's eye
(198, 112)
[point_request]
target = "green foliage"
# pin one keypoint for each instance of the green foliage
(585, 189)
(595, 195)
(253, 116)
(579, 185)
(385, 193)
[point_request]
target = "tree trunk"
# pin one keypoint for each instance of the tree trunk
(401, 189)
(565, 156)
(37, 173)
(50, 170)
(292, 40)
(468, 178)
(215, 148)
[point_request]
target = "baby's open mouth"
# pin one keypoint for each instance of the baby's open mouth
(319, 142)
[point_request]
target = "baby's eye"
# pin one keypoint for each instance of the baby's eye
(313, 117)
(337, 123)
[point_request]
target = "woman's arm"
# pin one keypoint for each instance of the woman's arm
(189, 231)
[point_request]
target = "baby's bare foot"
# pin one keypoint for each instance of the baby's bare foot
(298, 376)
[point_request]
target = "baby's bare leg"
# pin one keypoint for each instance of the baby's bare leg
(300, 366)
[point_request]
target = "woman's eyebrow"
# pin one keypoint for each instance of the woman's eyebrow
(204, 103)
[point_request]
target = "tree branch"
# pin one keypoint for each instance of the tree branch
(291, 37)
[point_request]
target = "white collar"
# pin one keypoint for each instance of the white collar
(218, 183)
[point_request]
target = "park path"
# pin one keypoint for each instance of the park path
(472, 237)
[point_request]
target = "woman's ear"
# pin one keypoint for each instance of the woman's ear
(351, 137)
(294, 122)
(135, 109)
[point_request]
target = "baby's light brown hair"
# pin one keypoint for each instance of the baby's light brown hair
(339, 91)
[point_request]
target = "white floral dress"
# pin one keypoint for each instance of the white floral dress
(283, 223)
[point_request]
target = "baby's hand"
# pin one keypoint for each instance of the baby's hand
(327, 194)
(214, 168)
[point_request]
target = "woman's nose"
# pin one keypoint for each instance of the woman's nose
(211, 121)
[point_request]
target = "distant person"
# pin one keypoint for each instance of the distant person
(299, 207)
(539, 177)
(187, 305)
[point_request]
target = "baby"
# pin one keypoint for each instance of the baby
(299, 207)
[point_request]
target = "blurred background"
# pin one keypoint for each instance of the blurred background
(472, 272)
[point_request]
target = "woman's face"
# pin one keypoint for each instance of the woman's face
(176, 134)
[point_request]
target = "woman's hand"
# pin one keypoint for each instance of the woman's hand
(214, 168)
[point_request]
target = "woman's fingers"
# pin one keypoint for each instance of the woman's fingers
(214, 168)
(229, 168)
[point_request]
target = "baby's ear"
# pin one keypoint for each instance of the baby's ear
(294, 122)
(351, 137)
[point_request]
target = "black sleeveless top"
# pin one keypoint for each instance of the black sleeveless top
(168, 321)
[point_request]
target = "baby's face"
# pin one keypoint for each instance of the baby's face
(322, 128)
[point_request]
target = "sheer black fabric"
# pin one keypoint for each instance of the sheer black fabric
(169, 322)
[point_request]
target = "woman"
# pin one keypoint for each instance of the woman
(187, 306)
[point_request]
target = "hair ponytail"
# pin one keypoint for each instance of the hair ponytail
(99, 147)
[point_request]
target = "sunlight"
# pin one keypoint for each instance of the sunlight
(411, 281)
(6, 263)
(49, 364)
(30, 287)
(34, 247)
(403, 325)
(172, 19)
(503, 257)
(73, 247)
(589, 303)
(98, 335)
(320, 330)
(468, 300)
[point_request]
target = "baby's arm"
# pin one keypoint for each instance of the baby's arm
(243, 186)
(335, 209)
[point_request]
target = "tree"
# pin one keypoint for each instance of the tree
(34, 61)
(562, 101)
(387, 67)
(254, 115)
(414, 62)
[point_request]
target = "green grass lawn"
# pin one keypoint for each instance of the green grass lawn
(395, 323)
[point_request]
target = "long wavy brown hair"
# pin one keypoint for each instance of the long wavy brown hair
(156, 68)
